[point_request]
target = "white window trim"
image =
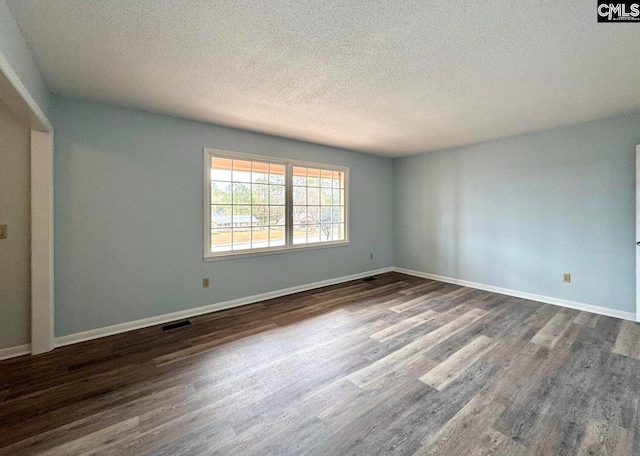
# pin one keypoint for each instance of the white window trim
(216, 256)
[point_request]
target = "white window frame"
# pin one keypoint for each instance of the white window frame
(289, 246)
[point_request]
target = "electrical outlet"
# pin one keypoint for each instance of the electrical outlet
(3, 231)
(566, 277)
(205, 283)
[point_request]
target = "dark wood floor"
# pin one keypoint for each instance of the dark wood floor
(399, 365)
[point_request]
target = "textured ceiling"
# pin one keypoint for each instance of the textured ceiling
(388, 77)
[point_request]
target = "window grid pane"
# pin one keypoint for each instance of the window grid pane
(321, 210)
(248, 204)
(276, 236)
(299, 234)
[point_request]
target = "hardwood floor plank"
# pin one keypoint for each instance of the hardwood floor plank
(460, 295)
(616, 385)
(529, 414)
(196, 442)
(404, 325)
(370, 432)
(208, 346)
(561, 428)
(461, 431)
(421, 420)
(97, 441)
(628, 341)
(407, 353)
(553, 331)
(354, 403)
(448, 371)
(92, 423)
(586, 319)
(605, 439)
(494, 443)
(217, 399)
(540, 317)
(413, 303)
(326, 304)
(155, 440)
(421, 288)
(605, 333)
(340, 290)
(507, 320)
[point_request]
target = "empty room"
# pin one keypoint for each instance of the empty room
(319, 228)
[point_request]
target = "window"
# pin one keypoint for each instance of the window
(257, 204)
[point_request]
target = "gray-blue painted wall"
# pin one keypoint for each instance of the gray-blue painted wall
(519, 212)
(129, 217)
(514, 213)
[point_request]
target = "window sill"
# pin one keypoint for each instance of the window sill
(277, 251)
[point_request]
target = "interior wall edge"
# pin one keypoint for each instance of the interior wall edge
(22, 100)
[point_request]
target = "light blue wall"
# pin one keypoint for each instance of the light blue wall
(19, 56)
(517, 213)
(128, 217)
(514, 213)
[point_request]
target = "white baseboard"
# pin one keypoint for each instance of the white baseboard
(20, 350)
(12, 352)
(522, 294)
(166, 318)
